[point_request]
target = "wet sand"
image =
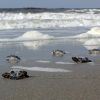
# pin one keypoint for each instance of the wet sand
(83, 83)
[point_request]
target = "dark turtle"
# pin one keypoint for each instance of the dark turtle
(22, 74)
(94, 51)
(15, 74)
(75, 59)
(58, 53)
(13, 59)
(81, 59)
(6, 75)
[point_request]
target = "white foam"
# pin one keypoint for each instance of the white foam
(46, 61)
(92, 44)
(64, 63)
(34, 35)
(42, 69)
(30, 35)
(93, 33)
(48, 20)
(35, 44)
(43, 61)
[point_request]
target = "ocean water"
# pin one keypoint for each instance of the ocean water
(32, 34)
(48, 18)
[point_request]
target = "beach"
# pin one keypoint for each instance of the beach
(80, 84)
(32, 36)
(51, 78)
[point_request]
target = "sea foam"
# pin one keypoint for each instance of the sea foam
(34, 35)
(43, 69)
(29, 36)
(74, 18)
(92, 44)
(93, 33)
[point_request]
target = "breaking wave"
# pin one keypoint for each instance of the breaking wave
(60, 19)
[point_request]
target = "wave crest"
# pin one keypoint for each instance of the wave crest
(49, 19)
